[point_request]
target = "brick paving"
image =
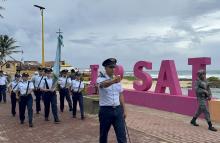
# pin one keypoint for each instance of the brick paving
(68, 131)
(170, 127)
(145, 126)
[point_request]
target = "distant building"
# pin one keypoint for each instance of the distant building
(11, 67)
(63, 65)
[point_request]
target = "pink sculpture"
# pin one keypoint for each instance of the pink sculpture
(119, 70)
(197, 64)
(173, 102)
(168, 78)
(94, 74)
(146, 83)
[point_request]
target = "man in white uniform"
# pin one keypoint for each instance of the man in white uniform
(3, 85)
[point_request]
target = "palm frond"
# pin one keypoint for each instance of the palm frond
(1, 8)
(7, 46)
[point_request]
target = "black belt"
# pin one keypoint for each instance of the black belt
(76, 92)
(114, 107)
(64, 88)
(24, 95)
(49, 91)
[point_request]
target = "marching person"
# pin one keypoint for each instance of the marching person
(112, 106)
(77, 86)
(64, 84)
(203, 94)
(50, 96)
(3, 86)
(37, 80)
(12, 88)
(25, 88)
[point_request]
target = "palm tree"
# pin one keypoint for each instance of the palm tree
(7, 47)
(2, 8)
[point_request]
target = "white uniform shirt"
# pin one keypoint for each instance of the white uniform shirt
(3, 80)
(75, 85)
(64, 82)
(14, 85)
(36, 79)
(22, 87)
(49, 82)
(109, 96)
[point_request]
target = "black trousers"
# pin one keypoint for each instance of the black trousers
(50, 99)
(39, 95)
(64, 92)
(26, 101)
(3, 93)
(112, 116)
(77, 97)
(13, 103)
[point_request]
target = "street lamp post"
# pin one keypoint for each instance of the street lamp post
(42, 15)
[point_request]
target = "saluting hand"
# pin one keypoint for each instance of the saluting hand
(117, 79)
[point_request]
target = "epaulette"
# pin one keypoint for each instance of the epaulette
(102, 75)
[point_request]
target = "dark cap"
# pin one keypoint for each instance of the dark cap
(25, 74)
(1, 71)
(17, 75)
(40, 68)
(78, 74)
(48, 70)
(73, 70)
(111, 62)
(64, 71)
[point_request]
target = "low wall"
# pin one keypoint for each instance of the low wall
(172, 103)
(214, 108)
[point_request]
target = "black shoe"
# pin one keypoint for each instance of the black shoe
(57, 121)
(82, 118)
(38, 112)
(13, 115)
(213, 129)
(70, 110)
(193, 122)
(22, 122)
(74, 116)
(46, 119)
(31, 125)
(61, 110)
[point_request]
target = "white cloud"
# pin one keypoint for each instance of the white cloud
(129, 30)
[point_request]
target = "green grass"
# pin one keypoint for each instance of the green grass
(130, 78)
(214, 82)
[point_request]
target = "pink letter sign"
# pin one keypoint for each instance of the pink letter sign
(168, 78)
(197, 64)
(94, 75)
(119, 70)
(145, 77)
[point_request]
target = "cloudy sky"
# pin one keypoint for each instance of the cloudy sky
(130, 30)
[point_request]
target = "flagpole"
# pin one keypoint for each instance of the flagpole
(56, 67)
